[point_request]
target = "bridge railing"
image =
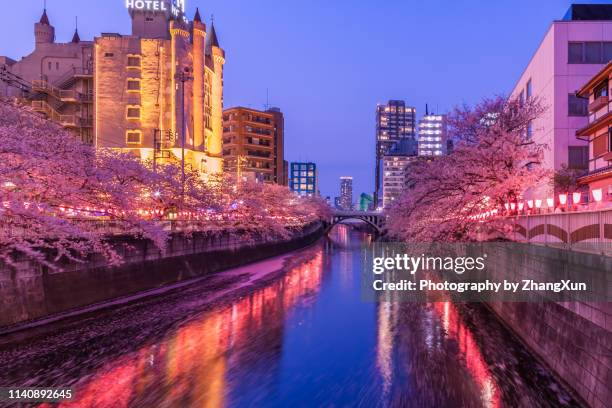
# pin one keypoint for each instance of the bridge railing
(584, 231)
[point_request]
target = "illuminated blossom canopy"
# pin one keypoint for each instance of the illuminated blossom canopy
(494, 162)
(60, 198)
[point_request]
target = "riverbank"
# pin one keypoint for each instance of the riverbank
(32, 295)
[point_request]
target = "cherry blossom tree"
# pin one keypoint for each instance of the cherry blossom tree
(60, 198)
(494, 162)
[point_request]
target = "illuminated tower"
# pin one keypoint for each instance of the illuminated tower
(199, 44)
(214, 144)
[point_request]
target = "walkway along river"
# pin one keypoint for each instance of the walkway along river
(288, 331)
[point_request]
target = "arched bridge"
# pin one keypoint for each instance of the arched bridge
(374, 219)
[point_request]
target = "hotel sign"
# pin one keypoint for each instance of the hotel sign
(176, 7)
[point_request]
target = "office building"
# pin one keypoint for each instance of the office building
(598, 133)
(346, 193)
(253, 143)
(303, 179)
(152, 92)
(572, 51)
(394, 122)
(394, 167)
(433, 137)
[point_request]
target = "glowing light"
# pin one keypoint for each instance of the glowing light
(538, 203)
(550, 202)
(563, 199)
(576, 197)
(521, 205)
(530, 203)
(512, 206)
(507, 206)
(597, 195)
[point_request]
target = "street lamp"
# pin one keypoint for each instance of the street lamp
(183, 76)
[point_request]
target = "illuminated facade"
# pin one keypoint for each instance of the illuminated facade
(346, 193)
(433, 135)
(253, 144)
(598, 132)
(133, 92)
(304, 179)
(394, 122)
(394, 170)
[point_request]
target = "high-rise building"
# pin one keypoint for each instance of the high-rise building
(156, 93)
(303, 178)
(573, 50)
(253, 143)
(433, 138)
(346, 193)
(394, 166)
(394, 122)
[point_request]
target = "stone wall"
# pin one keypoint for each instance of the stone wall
(32, 291)
(573, 338)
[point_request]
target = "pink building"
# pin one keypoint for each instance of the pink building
(573, 50)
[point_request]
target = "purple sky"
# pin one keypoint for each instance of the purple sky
(328, 63)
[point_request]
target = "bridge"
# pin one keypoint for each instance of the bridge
(375, 219)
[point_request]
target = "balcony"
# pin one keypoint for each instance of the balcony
(598, 103)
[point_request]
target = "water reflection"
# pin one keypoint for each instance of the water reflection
(302, 338)
(189, 368)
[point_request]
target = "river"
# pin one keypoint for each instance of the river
(285, 332)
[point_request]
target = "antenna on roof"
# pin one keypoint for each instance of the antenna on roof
(426, 110)
(267, 105)
(76, 22)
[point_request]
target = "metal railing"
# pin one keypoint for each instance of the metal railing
(46, 108)
(582, 230)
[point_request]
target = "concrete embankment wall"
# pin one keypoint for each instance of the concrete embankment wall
(32, 291)
(573, 338)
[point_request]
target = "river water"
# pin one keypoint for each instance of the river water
(286, 332)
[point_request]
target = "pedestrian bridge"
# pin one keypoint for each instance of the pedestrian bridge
(375, 219)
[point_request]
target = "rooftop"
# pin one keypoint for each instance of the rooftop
(588, 12)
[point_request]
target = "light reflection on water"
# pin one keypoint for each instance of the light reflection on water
(304, 339)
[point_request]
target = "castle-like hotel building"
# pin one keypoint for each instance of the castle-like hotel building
(132, 92)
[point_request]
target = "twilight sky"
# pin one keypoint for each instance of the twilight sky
(328, 63)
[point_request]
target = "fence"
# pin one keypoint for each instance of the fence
(583, 231)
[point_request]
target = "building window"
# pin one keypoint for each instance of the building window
(578, 157)
(591, 52)
(577, 106)
(133, 112)
(601, 89)
(600, 145)
(134, 61)
(57, 66)
(574, 53)
(610, 140)
(133, 137)
(133, 85)
(49, 65)
(528, 90)
(109, 55)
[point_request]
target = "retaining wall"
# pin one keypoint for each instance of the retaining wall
(32, 291)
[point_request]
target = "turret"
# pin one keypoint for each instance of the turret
(199, 45)
(214, 145)
(44, 32)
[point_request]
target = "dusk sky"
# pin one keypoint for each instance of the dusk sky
(328, 63)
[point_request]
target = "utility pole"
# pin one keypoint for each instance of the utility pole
(183, 76)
